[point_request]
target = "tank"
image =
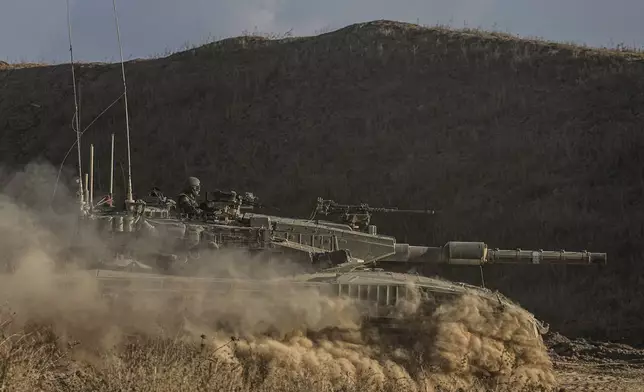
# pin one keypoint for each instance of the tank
(152, 247)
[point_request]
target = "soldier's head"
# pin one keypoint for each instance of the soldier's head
(193, 185)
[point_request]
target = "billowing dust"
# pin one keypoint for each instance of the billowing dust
(60, 333)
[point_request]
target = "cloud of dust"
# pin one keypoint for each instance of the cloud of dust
(468, 343)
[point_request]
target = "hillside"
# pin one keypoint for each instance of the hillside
(517, 143)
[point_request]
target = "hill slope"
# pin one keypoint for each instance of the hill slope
(518, 143)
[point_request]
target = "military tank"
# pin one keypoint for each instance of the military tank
(150, 246)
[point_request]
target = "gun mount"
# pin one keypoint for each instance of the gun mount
(357, 216)
(224, 207)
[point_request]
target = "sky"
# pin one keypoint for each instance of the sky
(37, 30)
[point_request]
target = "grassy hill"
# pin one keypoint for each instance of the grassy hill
(518, 143)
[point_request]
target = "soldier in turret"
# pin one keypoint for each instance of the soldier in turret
(187, 202)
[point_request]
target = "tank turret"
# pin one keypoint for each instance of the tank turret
(227, 220)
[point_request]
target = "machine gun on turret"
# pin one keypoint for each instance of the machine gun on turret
(358, 216)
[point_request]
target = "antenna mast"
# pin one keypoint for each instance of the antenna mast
(112, 173)
(76, 113)
(127, 116)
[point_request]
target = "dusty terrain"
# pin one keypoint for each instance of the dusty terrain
(519, 143)
(581, 365)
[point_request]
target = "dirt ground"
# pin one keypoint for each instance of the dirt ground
(581, 365)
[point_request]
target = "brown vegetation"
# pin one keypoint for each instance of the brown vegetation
(517, 143)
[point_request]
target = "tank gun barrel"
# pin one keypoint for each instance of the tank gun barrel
(546, 256)
(478, 253)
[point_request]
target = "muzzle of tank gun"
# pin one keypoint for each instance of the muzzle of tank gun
(478, 253)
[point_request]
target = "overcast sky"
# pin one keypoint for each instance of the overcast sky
(36, 30)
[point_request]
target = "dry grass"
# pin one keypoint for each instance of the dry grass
(519, 143)
(38, 363)
(456, 350)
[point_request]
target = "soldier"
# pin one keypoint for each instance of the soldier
(187, 203)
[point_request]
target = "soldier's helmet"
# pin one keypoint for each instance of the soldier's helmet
(194, 185)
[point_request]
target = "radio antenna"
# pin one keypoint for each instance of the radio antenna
(76, 112)
(127, 116)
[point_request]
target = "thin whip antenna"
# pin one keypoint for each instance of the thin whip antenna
(127, 116)
(112, 172)
(76, 116)
(69, 151)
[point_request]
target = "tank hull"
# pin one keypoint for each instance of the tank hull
(379, 296)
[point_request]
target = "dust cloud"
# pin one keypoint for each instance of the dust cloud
(60, 330)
